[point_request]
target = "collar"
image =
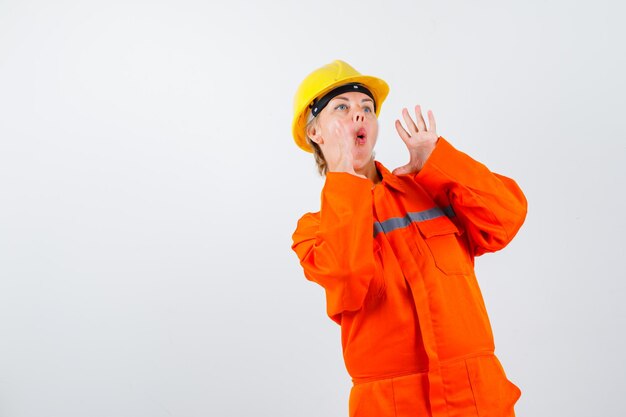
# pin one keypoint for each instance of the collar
(389, 179)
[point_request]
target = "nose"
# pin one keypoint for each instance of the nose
(359, 115)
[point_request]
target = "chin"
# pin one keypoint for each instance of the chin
(362, 163)
(362, 158)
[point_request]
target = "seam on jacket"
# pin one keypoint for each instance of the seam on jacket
(469, 379)
(478, 354)
(393, 394)
(376, 378)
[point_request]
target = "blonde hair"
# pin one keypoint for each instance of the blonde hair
(320, 161)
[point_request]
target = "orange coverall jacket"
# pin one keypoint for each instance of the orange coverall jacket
(397, 264)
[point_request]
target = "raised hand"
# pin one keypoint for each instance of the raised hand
(419, 139)
(337, 149)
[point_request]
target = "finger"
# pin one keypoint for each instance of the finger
(404, 135)
(409, 122)
(421, 124)
(341, 138)
(432, 126)
(348, 140)
(343, 149)
(404, 169)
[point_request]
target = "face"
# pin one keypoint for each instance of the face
(351, 114)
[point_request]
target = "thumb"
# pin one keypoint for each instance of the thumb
(404, 169)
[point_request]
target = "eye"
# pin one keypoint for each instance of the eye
(341, 107)
(367, 109)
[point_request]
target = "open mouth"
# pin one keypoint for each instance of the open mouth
(361, 136)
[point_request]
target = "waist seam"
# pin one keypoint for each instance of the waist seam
(443, 364)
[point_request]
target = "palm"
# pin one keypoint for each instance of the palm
(419, 139)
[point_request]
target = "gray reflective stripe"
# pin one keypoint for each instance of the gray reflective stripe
(449, 211)
(378, 228)
(395, 223)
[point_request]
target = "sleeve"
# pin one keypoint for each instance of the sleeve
(335, 247)
(491, 208)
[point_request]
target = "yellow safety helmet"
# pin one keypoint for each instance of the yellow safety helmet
(322, 81)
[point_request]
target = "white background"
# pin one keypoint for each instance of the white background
(149, 186)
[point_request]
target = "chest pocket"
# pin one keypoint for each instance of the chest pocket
(446, 246)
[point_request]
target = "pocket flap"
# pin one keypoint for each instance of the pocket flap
(437, 227)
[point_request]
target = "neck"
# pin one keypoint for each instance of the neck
(370, 171)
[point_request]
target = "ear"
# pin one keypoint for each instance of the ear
(314, 133)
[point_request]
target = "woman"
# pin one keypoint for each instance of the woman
(395, 254)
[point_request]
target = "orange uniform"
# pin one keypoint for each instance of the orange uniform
(397, 264)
